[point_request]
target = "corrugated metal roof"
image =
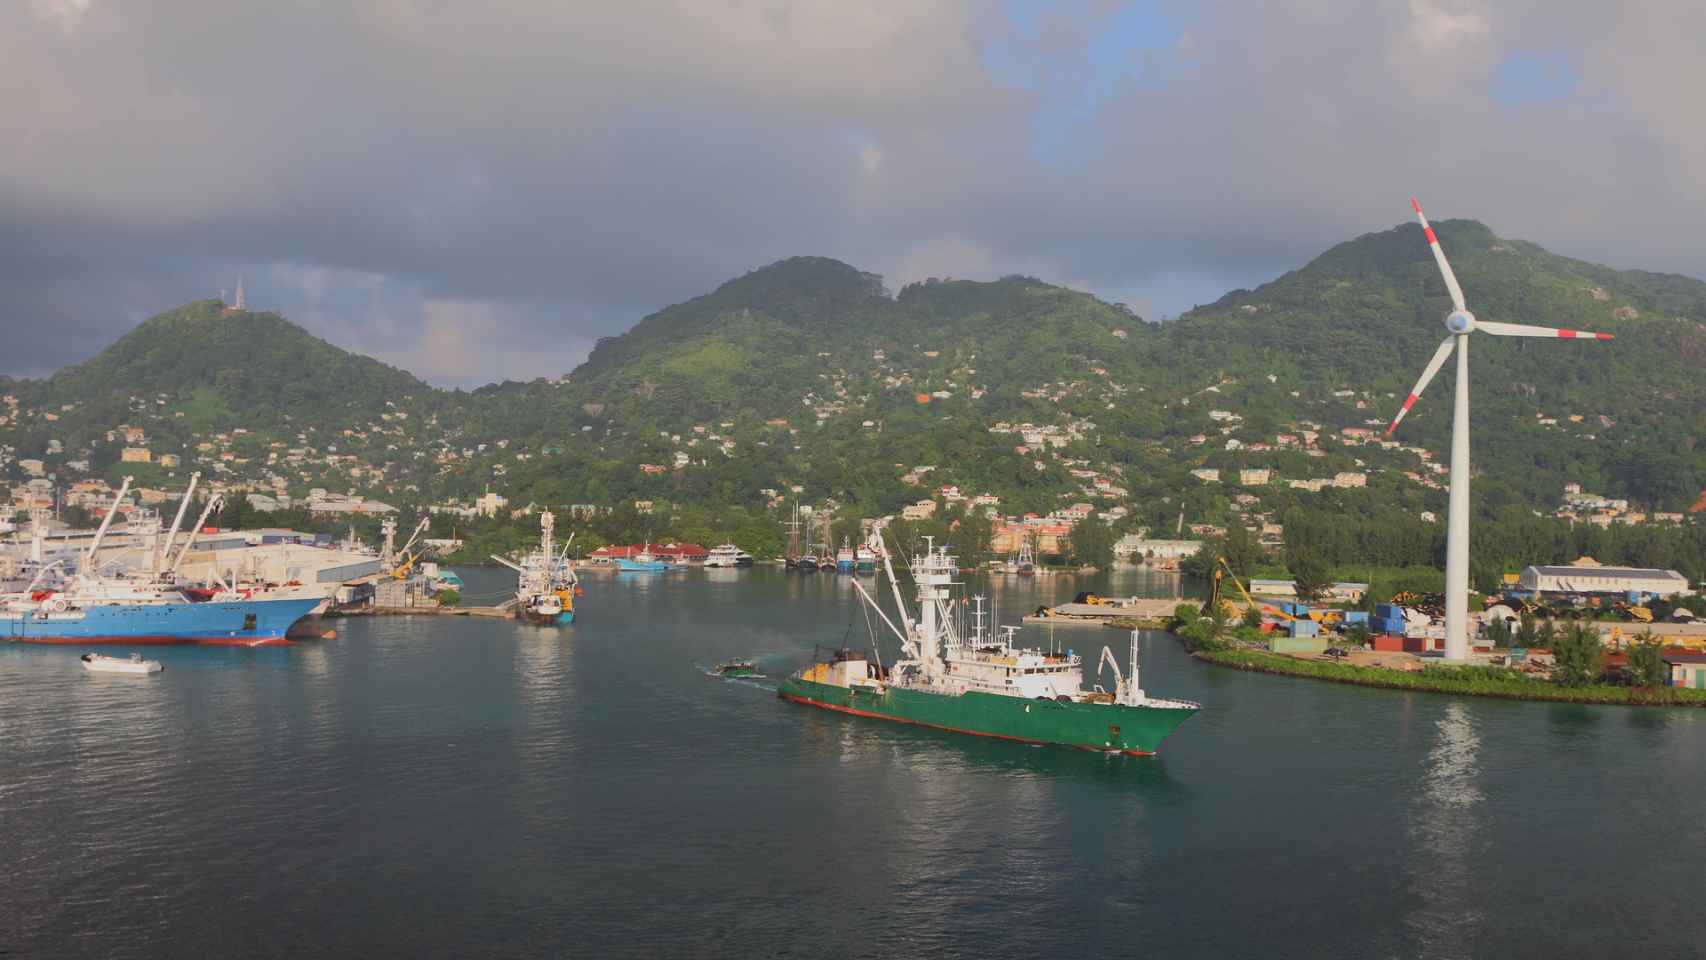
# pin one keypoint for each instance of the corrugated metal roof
(1569, 571)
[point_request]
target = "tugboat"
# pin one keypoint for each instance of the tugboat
(546, 584)
(738, 669)
(966, 678)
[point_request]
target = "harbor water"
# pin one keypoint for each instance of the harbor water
(447, 787)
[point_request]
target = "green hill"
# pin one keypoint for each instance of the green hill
(809, 372)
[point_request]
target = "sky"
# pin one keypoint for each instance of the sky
(479, 191)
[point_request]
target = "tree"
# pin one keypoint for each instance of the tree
(974, 535)
(1091, 543)
(1547, 635)
(1241, 550)
(1645, 665)
(1498, 633)
(1577, 655)
(1308, 572)
(1526, 635)
(1253, 617)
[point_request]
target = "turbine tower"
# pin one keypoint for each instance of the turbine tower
(1461, 323)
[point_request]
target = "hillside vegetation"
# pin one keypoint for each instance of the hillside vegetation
(809, 373)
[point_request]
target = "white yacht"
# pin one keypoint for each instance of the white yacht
(728, 555)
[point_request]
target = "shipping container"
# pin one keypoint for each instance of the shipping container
(1391, 643)
(1279, 643)
(1305, 628)
(1356, 616)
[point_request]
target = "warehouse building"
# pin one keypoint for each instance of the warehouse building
(1590, 577)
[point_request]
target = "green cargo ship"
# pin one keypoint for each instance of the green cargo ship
(971, 679)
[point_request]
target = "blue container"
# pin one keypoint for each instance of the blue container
(1356, 616)
(1305, 628)
(1388, 610)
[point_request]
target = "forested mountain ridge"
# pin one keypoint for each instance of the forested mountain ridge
(808, 372)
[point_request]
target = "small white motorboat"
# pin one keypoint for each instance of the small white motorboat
(96, 663)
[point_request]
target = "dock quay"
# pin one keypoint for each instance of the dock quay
(495, 613)
(1148, 609)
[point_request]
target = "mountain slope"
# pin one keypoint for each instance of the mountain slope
(258, 365)
(808, 372)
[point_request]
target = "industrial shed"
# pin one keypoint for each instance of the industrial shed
(1593, 578)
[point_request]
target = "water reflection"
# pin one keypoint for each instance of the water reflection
(1575, 720)
(1445, 828)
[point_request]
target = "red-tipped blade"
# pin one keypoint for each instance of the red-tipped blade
(1422, 384)
(1439, 257)
(1525, 330)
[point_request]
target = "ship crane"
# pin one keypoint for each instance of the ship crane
(1126, 691)
(213, 503)
(401, 570)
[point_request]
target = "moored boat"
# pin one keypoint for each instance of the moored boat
(96, 663)
(968, 679)
(865, 559)
(643, 562)
(845, 559)
(546, 584)
(727, 555)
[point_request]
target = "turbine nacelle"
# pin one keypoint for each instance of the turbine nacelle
(1460, 321)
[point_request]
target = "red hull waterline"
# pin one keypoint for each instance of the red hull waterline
(936, 726)
(156, 641)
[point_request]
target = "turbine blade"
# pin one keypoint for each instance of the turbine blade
(1524, 330)
(1422, 384)
(1439, 257)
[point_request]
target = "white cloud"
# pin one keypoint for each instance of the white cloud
(67, 15)
(538, 167)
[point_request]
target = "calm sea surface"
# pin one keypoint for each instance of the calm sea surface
(455, 787)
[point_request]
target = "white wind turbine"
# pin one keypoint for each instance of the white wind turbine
(1462, 323)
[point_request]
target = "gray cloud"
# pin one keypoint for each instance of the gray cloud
(413, 179)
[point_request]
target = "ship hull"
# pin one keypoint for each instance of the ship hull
(242, 623)
(1108, 728)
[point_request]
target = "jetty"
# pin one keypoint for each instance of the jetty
(1105, 611)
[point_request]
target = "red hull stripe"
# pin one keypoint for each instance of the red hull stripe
(157, 641)
(1431, 238)
(936, 726)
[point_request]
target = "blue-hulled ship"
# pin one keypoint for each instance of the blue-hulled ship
(88, 608)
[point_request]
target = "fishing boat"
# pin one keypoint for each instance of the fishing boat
(546, 584)
(96, 663)
(845, 559)
(738, 669)
(972, 678)
(727, 555)
(865, 559)
(642, 562)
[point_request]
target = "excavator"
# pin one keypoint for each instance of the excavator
(1223, 569)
